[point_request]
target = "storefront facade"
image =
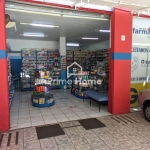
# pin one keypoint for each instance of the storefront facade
(120, 65)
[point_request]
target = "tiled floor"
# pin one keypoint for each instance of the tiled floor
(133, 134)
(66, 108)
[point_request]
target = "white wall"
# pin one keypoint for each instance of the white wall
(15, 54)
(17, 45)
(98, 46)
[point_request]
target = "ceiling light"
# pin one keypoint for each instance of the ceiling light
(72, 44)
(104, 30)
(40, 25)
(85, 38)
(34, 34)
(11, 5)
(33, 12)
(84, 17)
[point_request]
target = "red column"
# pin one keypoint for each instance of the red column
(120, 62)
(4, 98)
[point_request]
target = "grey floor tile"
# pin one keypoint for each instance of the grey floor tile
(79, 141)
(63, 139)
(68, 146)
(31, 145)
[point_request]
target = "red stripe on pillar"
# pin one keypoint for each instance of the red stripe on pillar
(120, 70)
(4, 97)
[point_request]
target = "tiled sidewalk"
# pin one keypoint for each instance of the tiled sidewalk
(67, 108)
(120, 133)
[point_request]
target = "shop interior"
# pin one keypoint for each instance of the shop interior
(45, 47)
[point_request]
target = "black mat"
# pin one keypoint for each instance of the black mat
(49, 131)
(91, 123)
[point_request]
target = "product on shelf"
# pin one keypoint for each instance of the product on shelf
(11, 88)
(97, 64)
(63, 63)
(42, 96)
(45, 61)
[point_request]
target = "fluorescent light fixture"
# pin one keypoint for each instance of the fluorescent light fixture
(33, 12)
(44, 25)
(11, 5)
(72, 44)
(84, 17)
(39, 25)
(34, 34)
(86, 38)
(104, 30)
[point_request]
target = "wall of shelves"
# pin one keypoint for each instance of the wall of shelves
(97, 63)
(87, 59)
(39, 59)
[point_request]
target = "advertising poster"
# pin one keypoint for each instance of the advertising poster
(140, 67)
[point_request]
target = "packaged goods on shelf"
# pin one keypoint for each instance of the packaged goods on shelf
(43, 60)
(97, 64)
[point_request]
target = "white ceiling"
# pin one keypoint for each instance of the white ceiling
(72, 28)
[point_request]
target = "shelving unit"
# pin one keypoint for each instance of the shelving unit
(11, 88)
(87, 59)
(29, 58)
(80, 56)
(98, 67)
(42, 96)
(78, 88)
(42, 60)
(54, 66)
(69, 57)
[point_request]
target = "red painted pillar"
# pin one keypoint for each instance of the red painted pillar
(4, 98)
(120, 62)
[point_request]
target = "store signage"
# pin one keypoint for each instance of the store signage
(141, 31)
(134, 95)
(145, 63)
(140, 49)
(140, 67)
(139, 64)
(135, 63)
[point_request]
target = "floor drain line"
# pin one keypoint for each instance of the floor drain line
(17, 135)
(121, 120)
(131, 119)
(9, 139)
(126, 119)
(115, 119)
(1, 139)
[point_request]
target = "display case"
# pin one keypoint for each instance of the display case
(42, 96)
